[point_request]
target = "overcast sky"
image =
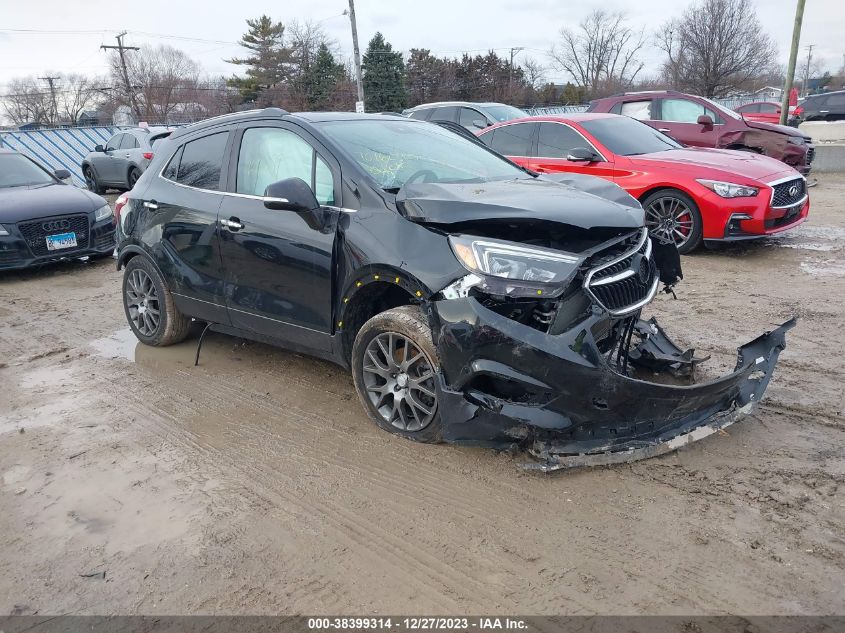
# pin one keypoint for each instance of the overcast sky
(209, 30)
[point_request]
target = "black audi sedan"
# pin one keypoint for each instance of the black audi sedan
(42, 219)
(472, 300)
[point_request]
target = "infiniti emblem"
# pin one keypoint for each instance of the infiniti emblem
(793, 190)
(56, 225)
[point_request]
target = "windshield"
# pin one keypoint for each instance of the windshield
(628, 137)
(721, 109)
(504, 112)
(397, 152)
(18, 171)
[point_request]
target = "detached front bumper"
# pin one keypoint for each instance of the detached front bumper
(504, 384)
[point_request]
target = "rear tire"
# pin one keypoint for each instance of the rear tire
(394, 368)
(149, 306)
(91, 181)
(672, 214)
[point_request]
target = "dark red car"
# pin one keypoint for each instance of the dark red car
(689, 194)
(700, 122)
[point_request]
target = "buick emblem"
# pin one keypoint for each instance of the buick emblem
(641, 268)
(56, 225)
(793, 190)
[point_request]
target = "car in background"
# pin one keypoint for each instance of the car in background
(700, 122)
(42, 219)
(829, 106)
(689, 194)
(123, 159)
(762, 111)
(472, 116)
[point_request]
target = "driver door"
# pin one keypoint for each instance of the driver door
(278, 264)
(105, 162)
(554, 143)
(680, 117)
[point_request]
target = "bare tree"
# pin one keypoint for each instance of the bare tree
(165, 81)
(534, 73)
(601, 54)
(715, 47)
(78, 94)
(28, 101)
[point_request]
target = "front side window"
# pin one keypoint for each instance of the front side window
(399, 151)
(199, 163)
(269, 155)
(683, 111)
(472, 119)
(769, 108)
(505, 112)
(114, 142)
(640, 110)
(556, 140)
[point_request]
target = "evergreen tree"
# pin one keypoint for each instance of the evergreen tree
(384, 77)
(268, 60)
(322, 78)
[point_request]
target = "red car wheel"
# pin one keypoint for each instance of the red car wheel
(672, 215)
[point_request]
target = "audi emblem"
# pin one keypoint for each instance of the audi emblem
(56, 225)
(793, 190)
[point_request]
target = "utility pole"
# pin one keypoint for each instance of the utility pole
(514, 51)
(807, 70)
(130, 93)
(356, 54)
(790, 68)
(54, 117)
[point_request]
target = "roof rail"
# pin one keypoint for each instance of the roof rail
(245, 115)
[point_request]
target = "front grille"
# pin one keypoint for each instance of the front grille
(36, 232)
(789, 193)
(624, 283)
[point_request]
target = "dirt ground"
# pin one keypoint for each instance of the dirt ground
(132, 482)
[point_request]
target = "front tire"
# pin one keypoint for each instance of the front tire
(91, 181)
(394, 368)
(133, 176)
(672, 215)
(149, 306)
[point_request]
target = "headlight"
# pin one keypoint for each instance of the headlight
(3, 231)
(729, 189)
(531, 270)
(795, 140)
(102, 213)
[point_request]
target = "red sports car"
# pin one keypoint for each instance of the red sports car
(689, 194)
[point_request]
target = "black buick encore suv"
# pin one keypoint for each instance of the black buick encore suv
(472, 300)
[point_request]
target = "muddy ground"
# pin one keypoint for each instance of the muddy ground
(132, 482)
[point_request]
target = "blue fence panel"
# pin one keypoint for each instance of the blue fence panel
(60, 148)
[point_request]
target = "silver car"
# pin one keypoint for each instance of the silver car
(123, 159)
(472, 116)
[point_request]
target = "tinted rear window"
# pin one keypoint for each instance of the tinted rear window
(513, 140)
(199, 163)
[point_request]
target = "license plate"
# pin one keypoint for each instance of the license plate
(60, 241)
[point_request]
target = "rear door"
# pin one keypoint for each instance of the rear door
(680, 117)
(554, 142)
(279, 263)
(182, 207)
(124, 157)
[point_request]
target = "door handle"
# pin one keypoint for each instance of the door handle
(151, 205)
(665, 130)
(233, 224)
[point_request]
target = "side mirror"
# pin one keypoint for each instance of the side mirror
(479, 123)
(62, 174)
(291, 194)
(705, 120)
(581, 154)
(99, 148)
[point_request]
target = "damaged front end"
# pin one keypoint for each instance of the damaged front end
(555, 369)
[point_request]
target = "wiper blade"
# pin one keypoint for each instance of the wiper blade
(393, 190)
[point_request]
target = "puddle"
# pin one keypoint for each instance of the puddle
(121, 344)
(830, 268)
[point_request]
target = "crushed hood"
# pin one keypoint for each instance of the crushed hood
(595, 203)
(774, 127)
